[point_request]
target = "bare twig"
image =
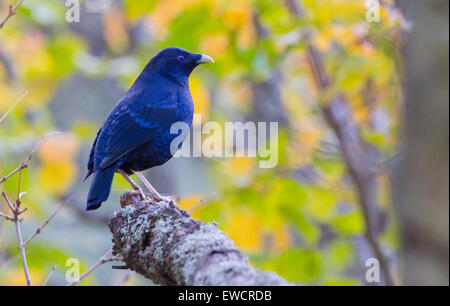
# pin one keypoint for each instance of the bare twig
(22, 252)
(6, 216)
(104, 259)
(12, 106)
(358, 155)
(49, 276)
(19, 195)
(38, 231)
(201, 201)
(11, 206)
(11, 12)
(24, 164)
(9, 203)
(15, 208)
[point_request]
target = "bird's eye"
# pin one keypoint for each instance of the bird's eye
(181, 58)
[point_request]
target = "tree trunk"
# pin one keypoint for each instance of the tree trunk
(422, 192)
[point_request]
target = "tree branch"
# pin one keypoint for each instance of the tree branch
(46, 222)
(17, 212)
(49, 276)
(360, 158)
(167, 246)
(12, 106)
(15, 208)
(104, 259)
(11, 12)
(25, 163)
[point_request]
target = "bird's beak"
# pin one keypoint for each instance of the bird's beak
(205, 59)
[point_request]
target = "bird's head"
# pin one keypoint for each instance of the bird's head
(177, 62)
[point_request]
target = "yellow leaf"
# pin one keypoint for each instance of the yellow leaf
(188, 202)
(281, 239)
(304, 143)
(214, 45)
(61, 147)
(7, 97)
(115, 30)
(246, 36)
(57, 177)
(385, 192)
(238, 15)
(361, 114)
(165, 11)
(201, 97)
(39, 92)
(245, 230)
(240, 166)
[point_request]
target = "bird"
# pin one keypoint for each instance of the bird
(136, 136)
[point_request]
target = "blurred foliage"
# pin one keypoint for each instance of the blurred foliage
(299, 219)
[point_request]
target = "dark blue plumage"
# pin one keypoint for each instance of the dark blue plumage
(136, 134)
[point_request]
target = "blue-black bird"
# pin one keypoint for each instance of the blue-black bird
(136, 134)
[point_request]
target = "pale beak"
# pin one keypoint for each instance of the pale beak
(205, 59)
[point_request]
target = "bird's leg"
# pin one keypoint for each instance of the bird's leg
(150, 188)
(132, 183)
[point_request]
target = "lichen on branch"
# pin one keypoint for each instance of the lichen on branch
(164, 244)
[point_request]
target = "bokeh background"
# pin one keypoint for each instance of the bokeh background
(301, 219)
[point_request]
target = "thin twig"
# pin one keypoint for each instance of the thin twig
(16, 212)
(7, 201)
(6, 216)
(49, 275)
(11, 12)
(18, 186)
(13, 209)
(104, 259)
(201, 201)
(22, 252)
(38, 230)
(24, 164)
(12, 106)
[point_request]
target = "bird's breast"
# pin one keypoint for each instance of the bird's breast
(185, 108)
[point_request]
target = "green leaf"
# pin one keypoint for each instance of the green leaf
(350, 224)
(296, 265)
(309, 231)
(320, 203)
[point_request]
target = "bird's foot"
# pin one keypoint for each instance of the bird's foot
(142, 194)
(138, 191)
(159, 198)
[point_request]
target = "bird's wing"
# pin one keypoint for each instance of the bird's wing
(133, 123)
(90, 165)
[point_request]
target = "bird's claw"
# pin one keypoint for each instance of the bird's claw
(160, 198)
(139, 193)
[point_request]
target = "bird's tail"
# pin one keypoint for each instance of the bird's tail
(100, 188)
